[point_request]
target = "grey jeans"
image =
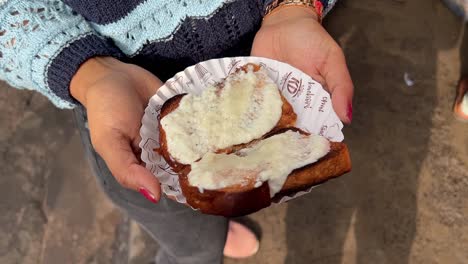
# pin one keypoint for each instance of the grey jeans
(184, 235)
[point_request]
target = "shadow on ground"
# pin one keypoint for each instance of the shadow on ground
(372, 211)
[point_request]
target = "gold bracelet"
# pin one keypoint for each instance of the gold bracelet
(276, 5)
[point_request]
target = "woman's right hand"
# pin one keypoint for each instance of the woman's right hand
(115, 95)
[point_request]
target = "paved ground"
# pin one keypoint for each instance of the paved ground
(406, 200)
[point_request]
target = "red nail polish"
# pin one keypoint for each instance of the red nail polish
(349, 114)
(147, 194)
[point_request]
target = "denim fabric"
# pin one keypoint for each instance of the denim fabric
(185, 236)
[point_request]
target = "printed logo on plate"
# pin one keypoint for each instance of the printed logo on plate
(292, 85)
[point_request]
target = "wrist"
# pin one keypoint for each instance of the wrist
(91, 72)
(290, 12)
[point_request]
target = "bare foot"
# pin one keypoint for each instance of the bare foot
(241, 242)
(460, 106)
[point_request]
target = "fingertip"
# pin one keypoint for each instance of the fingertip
(340, 85)
(343, 108)
(349, 113)
(152, 184)
(146, 183)
(148, 195)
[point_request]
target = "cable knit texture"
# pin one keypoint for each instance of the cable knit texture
(43, 42)
(32, 34)
(62, 68)
(103, 11)
(228, 32)
(156, 20)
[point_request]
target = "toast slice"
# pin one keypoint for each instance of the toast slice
(288, 119)
(238, 200)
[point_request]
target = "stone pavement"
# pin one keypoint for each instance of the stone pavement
(406, 200)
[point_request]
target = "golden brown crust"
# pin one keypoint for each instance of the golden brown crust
(246, 199)
(229, 202)
(241, 200)
(336, 163)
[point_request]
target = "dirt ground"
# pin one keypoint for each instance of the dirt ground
(406, 200)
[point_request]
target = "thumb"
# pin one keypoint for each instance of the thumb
(118, 154)
(339, 84)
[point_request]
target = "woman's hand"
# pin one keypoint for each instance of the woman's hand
(115, 95)
(294, 35)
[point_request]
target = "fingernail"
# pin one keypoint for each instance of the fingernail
(147, 194)
(349, 114)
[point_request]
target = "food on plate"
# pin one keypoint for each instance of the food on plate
(235, 146)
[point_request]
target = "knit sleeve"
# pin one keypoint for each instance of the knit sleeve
(42, 45)
(327, 5)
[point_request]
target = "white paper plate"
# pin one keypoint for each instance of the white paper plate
(310, 101)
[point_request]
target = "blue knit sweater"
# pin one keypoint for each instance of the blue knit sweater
(43, 42)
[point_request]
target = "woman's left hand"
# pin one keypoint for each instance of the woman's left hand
(294, 35)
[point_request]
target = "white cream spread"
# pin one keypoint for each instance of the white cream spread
(245, 108)
(272, 160)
